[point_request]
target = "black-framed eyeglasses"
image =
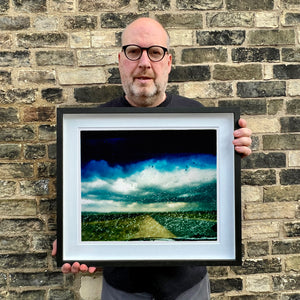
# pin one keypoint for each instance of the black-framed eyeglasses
(135, 52)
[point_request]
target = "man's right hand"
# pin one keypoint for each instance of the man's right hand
(76, 267)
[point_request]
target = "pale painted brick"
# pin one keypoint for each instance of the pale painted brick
(263, 124)
(293, 88)
(81, 76)
(90, 287)
(252, 193)
(98, 57)
(102, 39)
(80, 40)
(267, 19)
(181, 37)
(294, 159)
(258, 284)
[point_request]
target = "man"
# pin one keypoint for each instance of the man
(144, 65)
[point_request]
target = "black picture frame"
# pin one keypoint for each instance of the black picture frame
(148, 186)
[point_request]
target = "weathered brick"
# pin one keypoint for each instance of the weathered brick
(267, 19)
(281, 142)
(18, 207)
(290, 124)
(292, 264)
(14, 23)
(23, 260)
(7, 188)
(291, 54)
(97, 94)
(293, 88)
(199, 4)
(5, 78)
(271, 37)
(247, 106)
(61, 294)
(52, 151)
(47, 132)
(290, 296)
(223, 285)
(18, 96)
(40, 40)
(264, 160)
(192, 20)
(10, 151)
(16, 170)
(48, 206)
(149, 5)
(118, 20)
(285, 247)
(261, 89)
(42, 242)
(264, 296)
(224, 37)
(259, 177)
(14, 243)
(4, 6)
(246, 72)
(181, 37)
(97, 57)
(46, 169)
(21, 225)
(281, 193)
(36, 6)
(292, 229)
(80, 22)
(53, 95)
(250, 4)
(230, 19)
(286, 282)
(274, 106)
(292, 18)
(289, 176)
(286, 71)
(203, 55)
(26, 295)
(19, 133)
(263, 124)
(98, 5)
(35, 188)
(114, 77)
(290, 4)
(14, 59)
(37, 77)
(35, 151)
(51, 58)
(255, 54)
(258, 284)
(39, 114)
(45, 23)
(257, 248)
(191, 73)
(294, 159)
(9, 115)
(63, 6)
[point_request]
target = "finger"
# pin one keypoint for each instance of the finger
(75, 267)
(242, 132)
(66, 268)
(83, 268)
(242, 123)
(244, 151)
(54, 248)
(243, 141)
(92, 270)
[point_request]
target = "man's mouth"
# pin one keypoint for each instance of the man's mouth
(143, 79)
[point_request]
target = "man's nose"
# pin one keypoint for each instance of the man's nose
(144, 60)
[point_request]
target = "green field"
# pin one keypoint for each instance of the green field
(149, 226)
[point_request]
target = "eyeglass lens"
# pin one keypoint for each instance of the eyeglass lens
(155, 53)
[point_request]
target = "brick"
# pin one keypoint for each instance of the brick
(290, 54)
(5, 41)
(48, 206)
(251, 194)
(256, 249)
(230, 19)
(264, 230)
(81, 76)
(47, 132)
(292, 19)
(289, 176)
(23, 260)
(224, 37)
(62, 294)
(114, 77)
(52, 151)
(36, 279)
(3, 278)
(37, 77)
(16, 170)
(258, 284)
(192, 20)
(267, 19)
(259, 177)
(101, 39)
(37, 6)
(87, 283)
(281, 142)
(5, 77)
(203, 55)
(290, 124)
(286, 282)
(223, 285)
(290, 296)
(39, 114)
(27, 295)
(191, 73)
(46, 169)
(199, 4)
(245, 72)
(261, 89)
(34, 188)
(99, 95)
(294, 159)
(292, 229)
(41, 40)
(9, 115)
(274, 106)
(7, 188)
(292, 264)
(255, 54)
(264, 160)
(217, 271)
(250, 4)
(271, 37)
(149, 5)
(118, 20)
(262, 124)
(63, 6)
(14, 243)
(42, 242)
(44, 23)
(4, 6)
(286, 71)
(51, 58)
(53, 95)
(21, 225)
(180, 37)
(14, 23)
(247, 106)
(275, 210)
(18, 207)
(293, 88)
(97, 57)
(286, 247)
(81, 40)
(80, 22)
(35, 151)
(10, 151)
(99, 5)
(264, 296)
(19, 133)
(281, 193)
(27, 96)
(14, 59)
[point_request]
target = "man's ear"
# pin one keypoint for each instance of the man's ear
(170, 62)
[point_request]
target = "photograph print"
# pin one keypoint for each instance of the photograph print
(144, 185)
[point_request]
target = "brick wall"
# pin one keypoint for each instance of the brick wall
(226, 52)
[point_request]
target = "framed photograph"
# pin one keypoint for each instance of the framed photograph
(148, 186)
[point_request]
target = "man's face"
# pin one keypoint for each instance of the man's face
(144, 81)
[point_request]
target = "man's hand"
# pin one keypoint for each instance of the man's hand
(76, 267)
(242, 139)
